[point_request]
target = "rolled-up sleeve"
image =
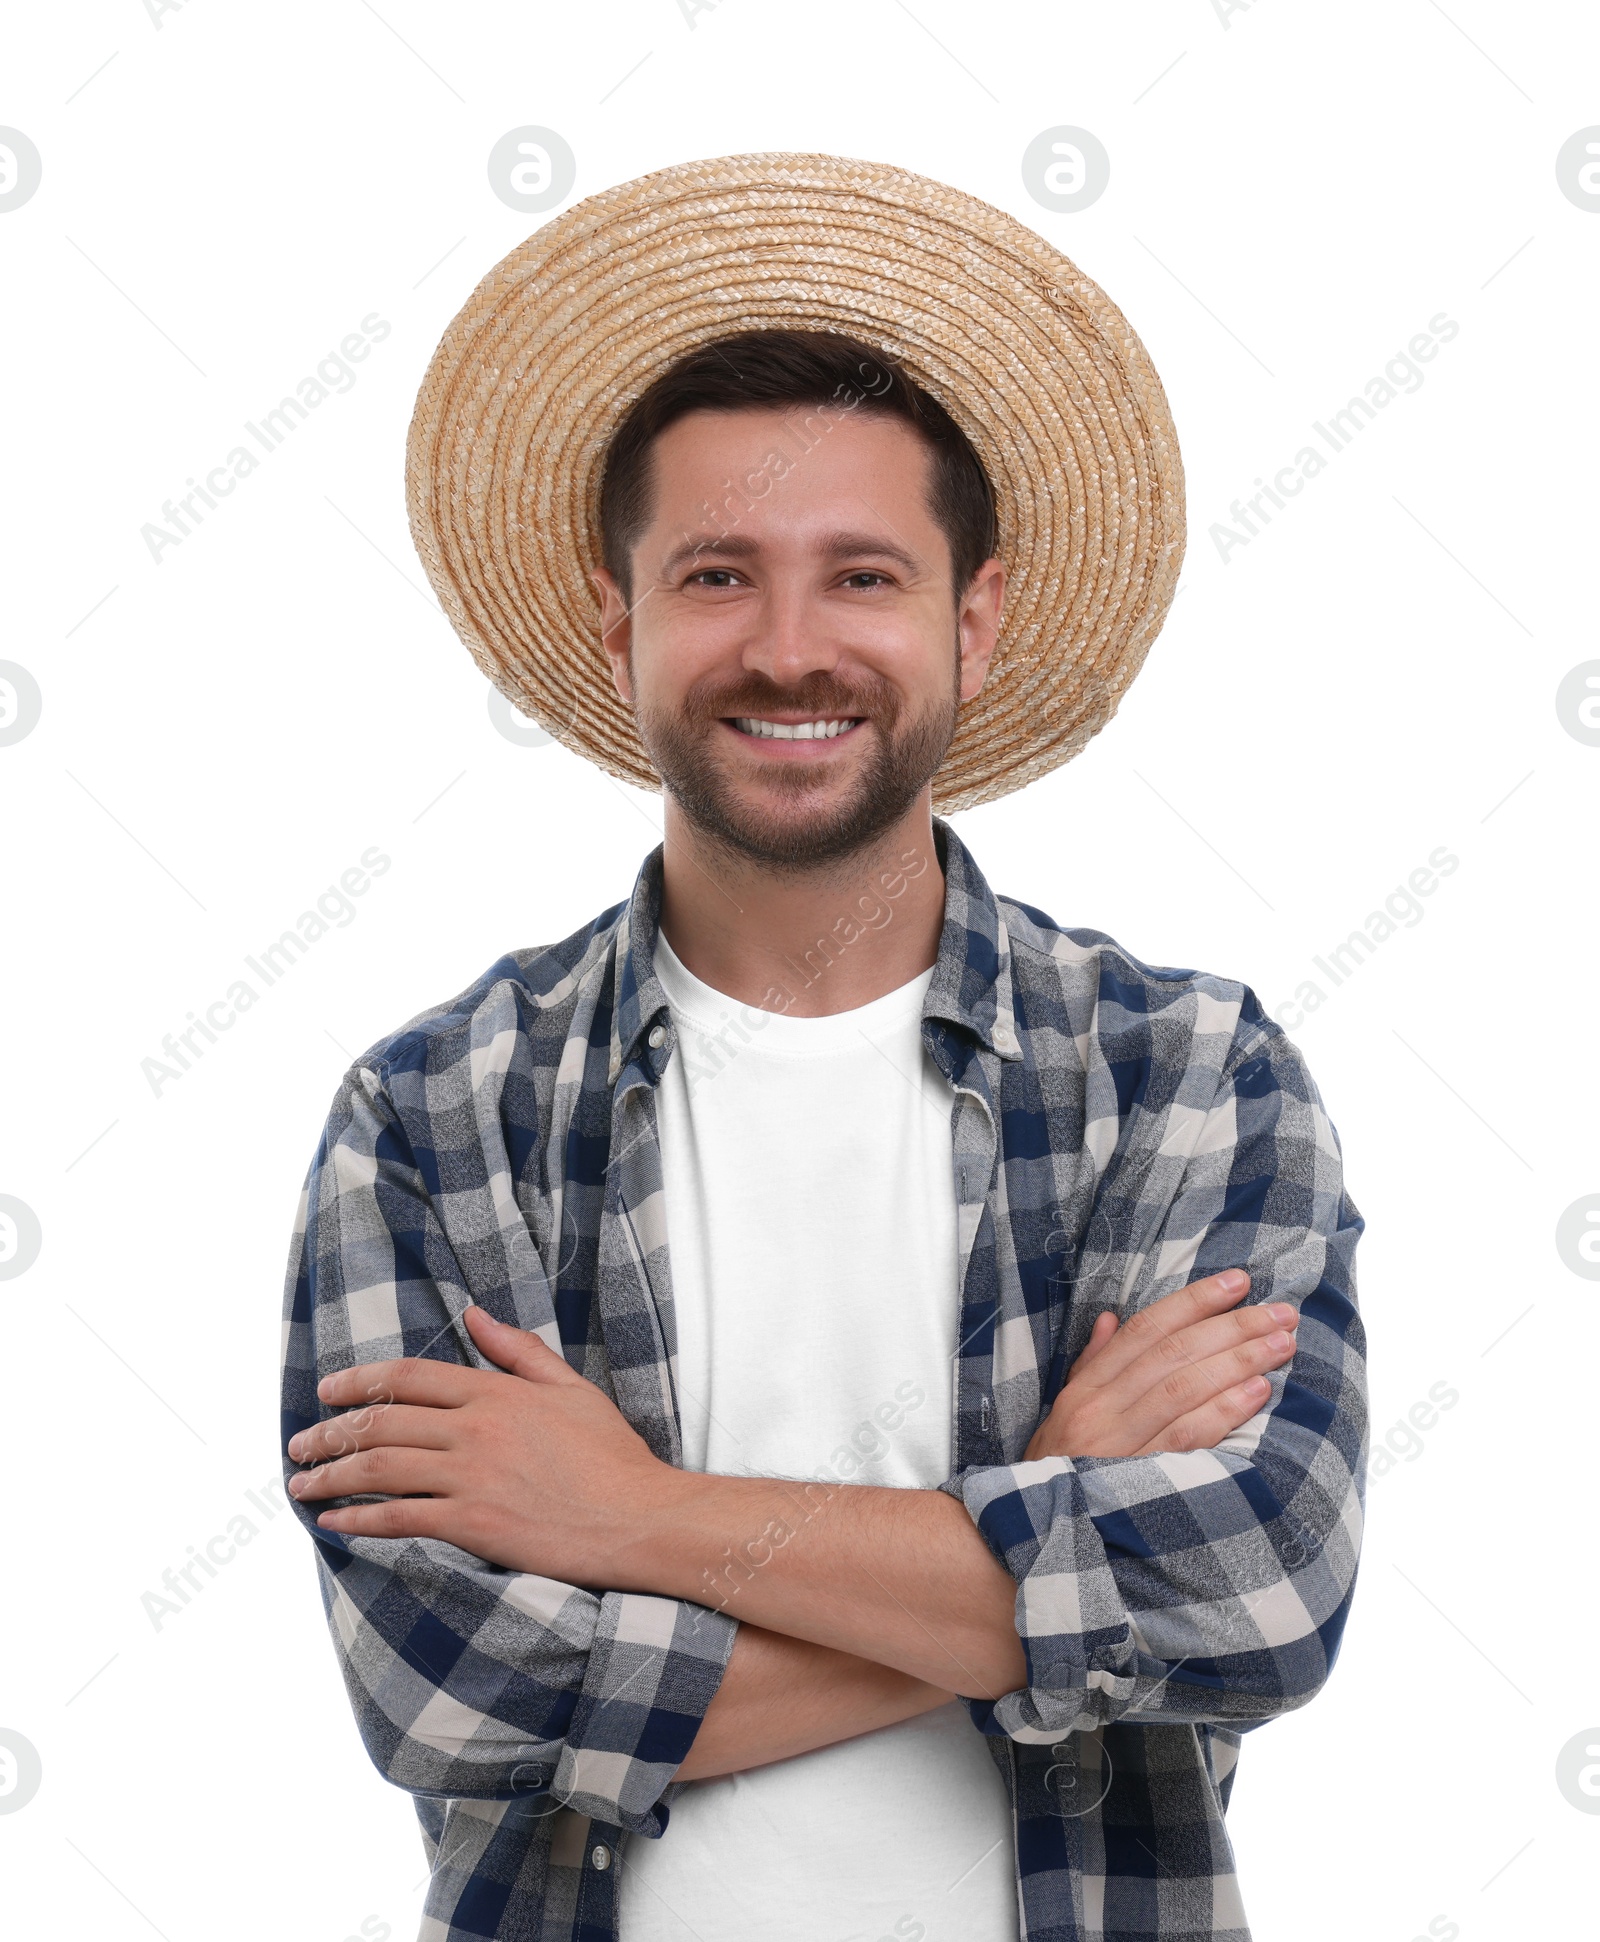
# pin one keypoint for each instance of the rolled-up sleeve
(468, 1681)
(1211, 1585)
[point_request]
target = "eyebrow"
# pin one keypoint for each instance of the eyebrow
(740, 546)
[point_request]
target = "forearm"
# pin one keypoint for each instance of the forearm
(782, 1696)
(900, 1577)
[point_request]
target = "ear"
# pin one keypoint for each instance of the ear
(978, 624)
(616, 630)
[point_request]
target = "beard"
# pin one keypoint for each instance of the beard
(780, 829)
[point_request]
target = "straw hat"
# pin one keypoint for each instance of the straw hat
(1033, 361)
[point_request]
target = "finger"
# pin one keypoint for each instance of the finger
(1189, 1386)
(1105, 1326)
(1212, 1295)
(400, 1517)
(385, 1469)
(1204, 1428)
(1202, 1340)
(419, 1429)
(414, 1379)
(518, 1350)
(1224, 1331)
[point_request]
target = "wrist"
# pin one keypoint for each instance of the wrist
(700, 1536)
(649, 1531)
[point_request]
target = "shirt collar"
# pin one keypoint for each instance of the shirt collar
(972, 974)
(970, 987)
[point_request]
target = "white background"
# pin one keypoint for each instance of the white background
(1296, 190)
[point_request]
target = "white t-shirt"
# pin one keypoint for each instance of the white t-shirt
(811, 1224)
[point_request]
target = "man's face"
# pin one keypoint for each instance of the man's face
(795, 654)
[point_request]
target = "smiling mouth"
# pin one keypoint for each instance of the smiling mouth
(812, 731)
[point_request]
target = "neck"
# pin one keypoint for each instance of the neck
(808, 942)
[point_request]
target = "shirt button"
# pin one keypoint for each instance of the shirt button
(658, 1038)
(600, 1857)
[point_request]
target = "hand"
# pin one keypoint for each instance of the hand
(1178, 1375)
(536, 1469)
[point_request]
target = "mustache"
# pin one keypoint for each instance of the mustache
(820, 696)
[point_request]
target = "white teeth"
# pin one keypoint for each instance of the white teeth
(793, 731)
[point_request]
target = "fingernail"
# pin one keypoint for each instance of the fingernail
(297, 1484)
(1280, 1341)
(1280, 1311)
(1233, 1279)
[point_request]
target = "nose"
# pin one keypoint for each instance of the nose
(791, 636)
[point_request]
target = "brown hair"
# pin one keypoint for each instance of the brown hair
(764, 368)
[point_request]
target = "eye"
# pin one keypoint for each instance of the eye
(864, 579)
(713, 576)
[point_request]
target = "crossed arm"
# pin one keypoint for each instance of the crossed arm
(860, 1605)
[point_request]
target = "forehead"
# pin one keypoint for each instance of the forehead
(794, 455)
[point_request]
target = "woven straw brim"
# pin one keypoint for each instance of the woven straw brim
(1028, 355)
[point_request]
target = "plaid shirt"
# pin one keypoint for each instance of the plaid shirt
(1118, 1130)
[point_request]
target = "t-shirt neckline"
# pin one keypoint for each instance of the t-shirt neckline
(709, 1011)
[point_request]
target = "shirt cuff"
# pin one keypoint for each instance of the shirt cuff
(654, 1667)
(1078, 1644)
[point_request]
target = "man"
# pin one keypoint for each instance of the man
(788, 1450)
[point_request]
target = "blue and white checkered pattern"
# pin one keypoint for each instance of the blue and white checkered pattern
(1118, 1130)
